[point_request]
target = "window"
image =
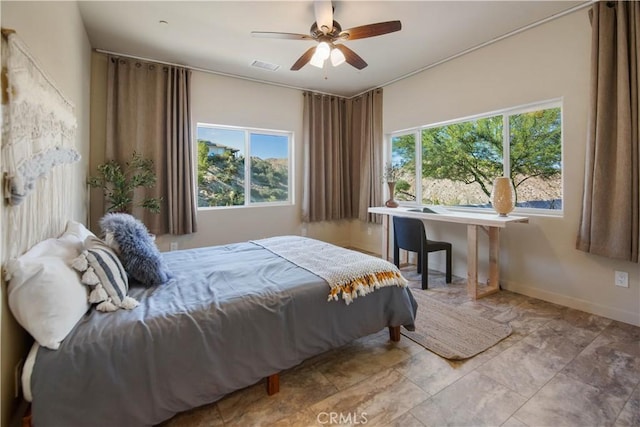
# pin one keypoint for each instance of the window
(454, 163)
(226, 178)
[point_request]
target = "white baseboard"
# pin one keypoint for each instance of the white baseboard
(625, 316)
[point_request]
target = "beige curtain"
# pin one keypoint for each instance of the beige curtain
(180, 168)
(327, 185)
(148, 112)
(367, 151)
(610, 213)
(343, 146)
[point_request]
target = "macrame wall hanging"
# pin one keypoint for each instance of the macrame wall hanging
(38, 134)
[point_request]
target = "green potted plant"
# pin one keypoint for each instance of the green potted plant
(118, 183)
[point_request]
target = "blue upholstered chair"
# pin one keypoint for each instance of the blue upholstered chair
(409, 234)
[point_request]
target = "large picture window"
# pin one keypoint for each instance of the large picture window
(454, 163)
(227, 177)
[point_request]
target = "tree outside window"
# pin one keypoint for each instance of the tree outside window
(457, 162)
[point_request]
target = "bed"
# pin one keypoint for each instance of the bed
(232, 316)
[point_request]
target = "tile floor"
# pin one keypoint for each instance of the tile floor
(560, 367)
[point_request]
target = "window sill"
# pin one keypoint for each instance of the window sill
(251, 206)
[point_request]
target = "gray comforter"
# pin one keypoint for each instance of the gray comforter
(234, 315)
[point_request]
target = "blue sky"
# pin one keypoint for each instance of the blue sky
(263, 146)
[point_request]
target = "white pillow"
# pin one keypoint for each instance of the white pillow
(45, 294)
(76, 234)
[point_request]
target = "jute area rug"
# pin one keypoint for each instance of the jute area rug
(452, 332)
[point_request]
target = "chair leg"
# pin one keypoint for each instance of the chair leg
(419, 262)
(425, 270)
(448, 271)
(396, 254)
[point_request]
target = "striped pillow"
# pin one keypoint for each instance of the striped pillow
(105, 275)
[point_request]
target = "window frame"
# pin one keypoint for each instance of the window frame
(506, 113)
(248, 131)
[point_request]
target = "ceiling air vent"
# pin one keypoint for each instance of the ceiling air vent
(264, 65)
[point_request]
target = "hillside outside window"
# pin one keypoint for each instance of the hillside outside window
(241, 167)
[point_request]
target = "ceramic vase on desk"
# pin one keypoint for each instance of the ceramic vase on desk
(503, 197)
(391, 203)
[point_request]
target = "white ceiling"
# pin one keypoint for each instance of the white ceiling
(216, 35)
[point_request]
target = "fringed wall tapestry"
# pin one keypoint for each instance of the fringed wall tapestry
(38, 134)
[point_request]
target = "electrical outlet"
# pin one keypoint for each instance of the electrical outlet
(622, 279)
(174, 246)
(369, 231)
(17, 379)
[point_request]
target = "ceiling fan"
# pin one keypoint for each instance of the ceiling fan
(330, 37)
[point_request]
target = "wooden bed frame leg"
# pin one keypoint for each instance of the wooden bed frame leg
(273, 384)
(26, 419)
(394, 333)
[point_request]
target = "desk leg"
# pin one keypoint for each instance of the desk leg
(472, 261)
(494, 261)
(493, 284)
(385, 238)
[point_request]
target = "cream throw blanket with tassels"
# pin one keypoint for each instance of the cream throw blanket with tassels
(348, 272)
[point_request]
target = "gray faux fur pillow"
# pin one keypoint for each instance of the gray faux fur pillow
(136, 248)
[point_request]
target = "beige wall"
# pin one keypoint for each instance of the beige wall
(56, 37)
(538, 259)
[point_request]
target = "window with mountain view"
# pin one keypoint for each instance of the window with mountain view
(227, 177)
(454, 163)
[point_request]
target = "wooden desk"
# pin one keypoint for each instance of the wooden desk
(490, 223)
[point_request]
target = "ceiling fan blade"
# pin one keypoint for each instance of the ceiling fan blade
(304, 59)
(370, 30)
(324, 15)
(274, 35)
(351, 57)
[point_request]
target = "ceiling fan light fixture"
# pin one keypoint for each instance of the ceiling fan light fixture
(337, 57)
(323, 50)
(316, 60)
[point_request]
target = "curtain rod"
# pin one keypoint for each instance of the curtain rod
(205, 70)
